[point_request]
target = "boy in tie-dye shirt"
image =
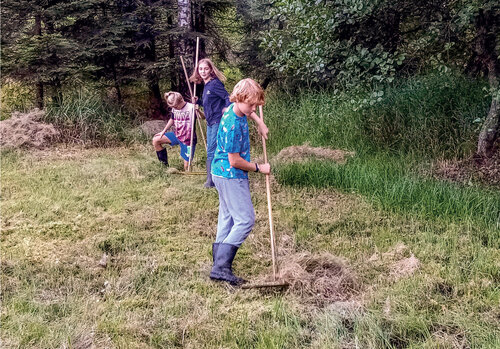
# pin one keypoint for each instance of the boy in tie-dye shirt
(230, 168)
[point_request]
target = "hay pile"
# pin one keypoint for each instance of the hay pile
(398, 266)
(472, 169)
(322, 278)
(26, 130)
(300, 153)
(150, 128)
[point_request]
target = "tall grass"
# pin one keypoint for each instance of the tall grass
(430, 115)
(393, 186)
(86, 117)
(394, 131)
(15, 96)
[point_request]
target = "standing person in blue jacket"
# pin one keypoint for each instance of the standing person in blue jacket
(215, 100)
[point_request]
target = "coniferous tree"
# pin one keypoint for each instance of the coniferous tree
(35, 51)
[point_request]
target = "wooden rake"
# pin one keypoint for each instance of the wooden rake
(192, 94)
(275, 282)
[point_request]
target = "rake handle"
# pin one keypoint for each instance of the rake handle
(194, 91)
(269, 205)
(193, 122)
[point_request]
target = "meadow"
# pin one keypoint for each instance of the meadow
(65, 207)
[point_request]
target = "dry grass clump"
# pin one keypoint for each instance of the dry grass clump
(152, 127)
(405, 267)
(305, 152)
(484, 170)
(321, 278)
(26, 130)
(394, 259)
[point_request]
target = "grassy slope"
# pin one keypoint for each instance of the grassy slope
(61, 209)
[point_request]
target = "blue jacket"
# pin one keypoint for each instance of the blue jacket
(214, 99)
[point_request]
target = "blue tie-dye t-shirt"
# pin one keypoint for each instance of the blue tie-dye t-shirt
(232, 137)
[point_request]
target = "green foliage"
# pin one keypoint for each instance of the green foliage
(347, 42)
(49, 56)
(430, 115)
(334, 42)
(15, 96)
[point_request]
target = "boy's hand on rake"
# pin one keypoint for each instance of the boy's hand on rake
(265, 168)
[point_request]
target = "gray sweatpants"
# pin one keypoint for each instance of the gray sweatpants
(236, 213)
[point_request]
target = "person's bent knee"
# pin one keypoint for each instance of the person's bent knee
(156, 140)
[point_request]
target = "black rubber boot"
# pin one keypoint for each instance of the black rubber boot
(222, 269)
(209, 183)
(215, 247)
(162, 156)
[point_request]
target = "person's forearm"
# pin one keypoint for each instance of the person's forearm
(242, 164)
(256, 118)
(168, 125)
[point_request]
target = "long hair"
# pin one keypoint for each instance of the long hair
(216, 73)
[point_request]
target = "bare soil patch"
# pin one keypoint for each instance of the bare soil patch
(300, 153)
(26, 130)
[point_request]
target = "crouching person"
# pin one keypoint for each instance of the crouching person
(182, 119)
(230, 168)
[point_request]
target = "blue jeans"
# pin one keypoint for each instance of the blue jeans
(211, 141)
(236, 213)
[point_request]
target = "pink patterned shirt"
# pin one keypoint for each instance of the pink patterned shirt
(182, 123)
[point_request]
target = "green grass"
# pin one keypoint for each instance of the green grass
(429, 116)
(63, 208)
(396, 131)
(388, 183)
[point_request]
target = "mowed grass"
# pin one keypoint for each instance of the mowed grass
(62, 209)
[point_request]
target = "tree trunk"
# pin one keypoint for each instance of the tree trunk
(39, 84)
(117, 84)
(184, 47)
(39, 95)
(157, 105)
(199, 25)
(489, 131)
(485, 48)
(172, 43)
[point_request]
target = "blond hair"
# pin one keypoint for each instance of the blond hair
(248, 91)
(215, 73)
(172, 98)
